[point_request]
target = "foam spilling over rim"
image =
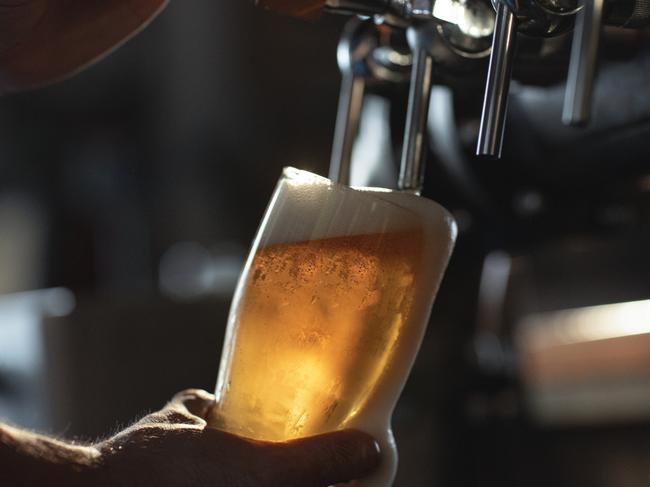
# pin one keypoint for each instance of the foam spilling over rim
(306, 206)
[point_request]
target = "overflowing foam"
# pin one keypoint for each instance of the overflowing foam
(312, 208)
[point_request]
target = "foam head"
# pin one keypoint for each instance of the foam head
(310, 207)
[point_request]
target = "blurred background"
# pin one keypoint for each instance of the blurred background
(129, 196)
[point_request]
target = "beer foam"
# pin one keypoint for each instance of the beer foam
(306, 206)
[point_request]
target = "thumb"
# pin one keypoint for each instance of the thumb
(328, 459)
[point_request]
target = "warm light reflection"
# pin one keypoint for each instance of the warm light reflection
(588, 324)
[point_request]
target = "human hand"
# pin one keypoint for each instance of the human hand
(42, 41)
(173, 447)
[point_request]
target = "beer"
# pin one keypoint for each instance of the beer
(317, 326)
(330, 311)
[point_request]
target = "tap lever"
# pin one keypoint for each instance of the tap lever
(358, 41)
(495, 104)
(411, 177)
(347, 126)
(582, 68)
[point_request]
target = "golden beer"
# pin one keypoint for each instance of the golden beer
(317, 326)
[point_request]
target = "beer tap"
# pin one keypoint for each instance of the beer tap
(358, 41)
(495, 103)
(428, 32)
(582, 67)
(411, 177)
(584, 52)
(366, 54)
(540, 18)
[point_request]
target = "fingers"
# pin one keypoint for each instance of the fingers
(322, 460)
(50, 40)
(326, 459)
(318, 461)
(195, 401)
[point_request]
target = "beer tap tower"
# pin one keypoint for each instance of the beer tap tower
(440, 32)
(430, 44)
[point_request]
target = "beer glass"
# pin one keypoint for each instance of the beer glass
(330, 311)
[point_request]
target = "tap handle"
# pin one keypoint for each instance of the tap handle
(358, 41)
(495, 103)
(347, 126)
(582, 68)
(411, 177)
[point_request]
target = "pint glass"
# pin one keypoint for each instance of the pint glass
(330, 311)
